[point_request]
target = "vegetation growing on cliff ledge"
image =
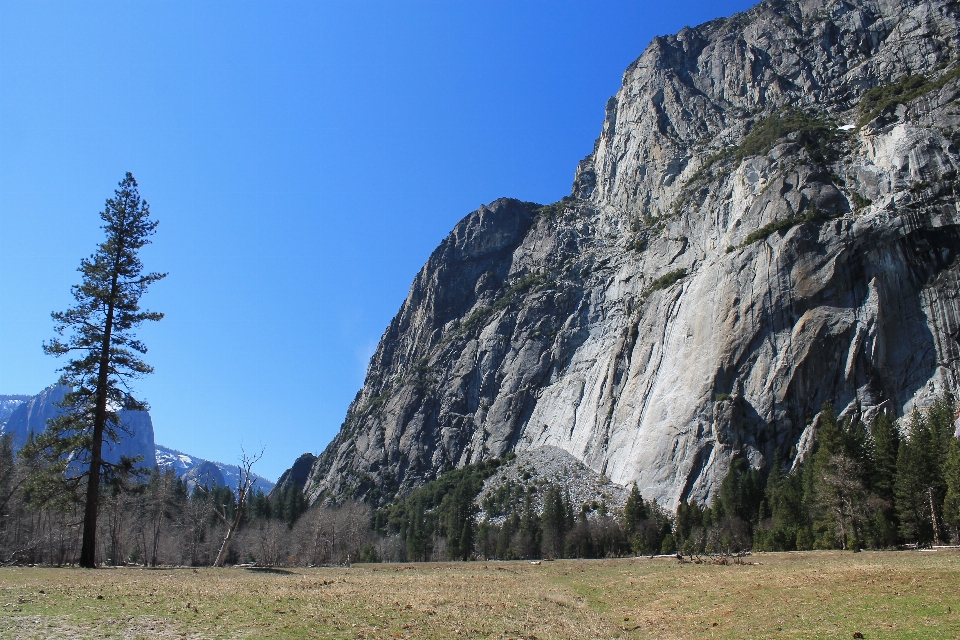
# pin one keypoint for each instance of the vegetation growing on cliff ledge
(476, 319)
(815, 133)
(904, 90)
(663, 282)
(812, 215)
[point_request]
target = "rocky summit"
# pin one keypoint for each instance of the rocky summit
(768, 221)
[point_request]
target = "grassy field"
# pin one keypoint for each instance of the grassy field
(785, 595)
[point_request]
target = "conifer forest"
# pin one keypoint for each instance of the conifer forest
(885, 485)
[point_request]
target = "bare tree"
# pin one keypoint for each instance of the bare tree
(194, 531)
(244, 483)
(340, 532)
(159, 506)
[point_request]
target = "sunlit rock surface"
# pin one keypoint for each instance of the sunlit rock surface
(638, 325)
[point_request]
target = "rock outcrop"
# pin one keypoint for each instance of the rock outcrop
(581, 486)
(31, 415)
(769, 220)
(206, 474)
(296, 476)
(9, 403)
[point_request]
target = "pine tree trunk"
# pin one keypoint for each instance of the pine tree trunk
(88, 549)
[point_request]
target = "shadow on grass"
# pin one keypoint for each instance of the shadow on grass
(271, 570)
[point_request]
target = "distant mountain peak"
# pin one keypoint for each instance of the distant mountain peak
(195, 469)
(22, 414)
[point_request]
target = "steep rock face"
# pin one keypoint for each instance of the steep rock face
(8, 403)
(297, 475)
(749, 239)
(136, 439)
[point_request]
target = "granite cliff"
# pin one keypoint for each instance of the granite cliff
(297, 476)
(8, 404)
(768, 220)
(20, 415)
(31, 415)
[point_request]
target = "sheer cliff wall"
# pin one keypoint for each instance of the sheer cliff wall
(751, 237)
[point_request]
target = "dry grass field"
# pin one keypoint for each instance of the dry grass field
(787, 595)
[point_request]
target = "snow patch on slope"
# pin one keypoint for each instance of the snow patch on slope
(182, 463)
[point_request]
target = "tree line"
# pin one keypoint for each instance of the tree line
(159, 519)
(881, 485)
(439, 521)
(862, 486)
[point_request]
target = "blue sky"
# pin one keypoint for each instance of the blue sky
(303, 160)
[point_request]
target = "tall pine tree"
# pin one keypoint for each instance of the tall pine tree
(914, 483)
(98, 335)
(951, 472)
(886, 444)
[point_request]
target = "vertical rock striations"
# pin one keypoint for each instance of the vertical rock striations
(31, 416)
(769, 220)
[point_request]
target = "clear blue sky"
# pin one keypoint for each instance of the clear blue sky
(303, 160)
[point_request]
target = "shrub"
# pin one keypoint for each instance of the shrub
(551, 211)
(476, 319)
(819, 136)
(813, 214)
(664, 281)
(904, 90)
(669, 544)
(859, 201)
(368, 553)
(767, 230)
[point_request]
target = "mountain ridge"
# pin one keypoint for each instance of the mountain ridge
(185, 465)
(21, 414)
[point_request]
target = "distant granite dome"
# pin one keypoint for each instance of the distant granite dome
(21, 414)
(185, 465)
(205, 474)
(32, 414)
(769, 220)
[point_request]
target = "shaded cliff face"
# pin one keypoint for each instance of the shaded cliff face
(8, 405)
(750, 238)
(296, 476)
(31, 415)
